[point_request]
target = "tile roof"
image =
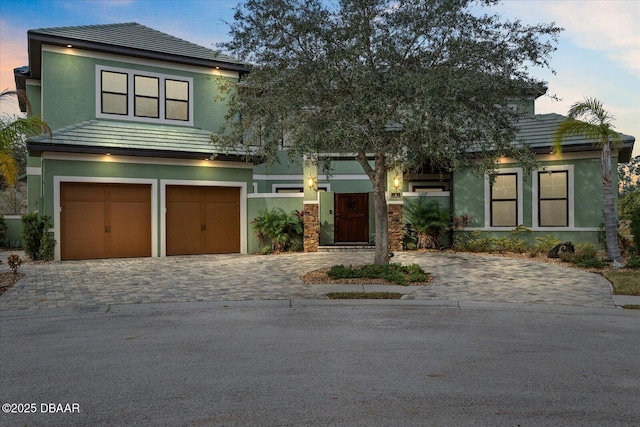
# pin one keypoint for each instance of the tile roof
(538, 133)
(131, 138)
(100, 136)
(135, 36)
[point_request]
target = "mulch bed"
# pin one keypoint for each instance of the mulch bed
(320, 277)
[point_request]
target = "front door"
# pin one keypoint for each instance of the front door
(352, 218)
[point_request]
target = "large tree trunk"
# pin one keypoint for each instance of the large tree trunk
(378, 177)
(380, 207)
(610, 219)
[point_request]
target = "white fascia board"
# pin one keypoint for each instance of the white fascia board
(80, 157)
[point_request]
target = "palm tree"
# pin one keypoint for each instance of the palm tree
(590, 120)
(12, 132)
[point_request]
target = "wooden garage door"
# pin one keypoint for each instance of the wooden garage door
(203, 220)
(105, 220)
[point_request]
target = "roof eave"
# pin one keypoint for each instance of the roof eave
(36, 147)
(20, 78)
(37, 39)
(624, 152)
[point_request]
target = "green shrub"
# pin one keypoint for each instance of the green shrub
(635, 228)
(283, 230)
(585, 256)
(47, 246)
(628, 204)
(474, 241)
(544, 244)
(428, 219)
(586, 250)
(587, 262)
(34, 228)
(633, 262)
(265, 250)
(509, 244)
(393, 272)
(3, 231)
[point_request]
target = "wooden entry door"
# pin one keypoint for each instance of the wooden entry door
(352, 218)
(202, 220)
(105, 220)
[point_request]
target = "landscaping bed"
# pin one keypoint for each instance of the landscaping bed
(393, 274)
(364, 295)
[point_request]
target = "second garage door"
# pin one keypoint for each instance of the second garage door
(202, 220)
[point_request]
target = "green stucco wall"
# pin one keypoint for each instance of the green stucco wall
(469, 198)
(33, 95)
(14, 231)
(259, 204)
(69, 90)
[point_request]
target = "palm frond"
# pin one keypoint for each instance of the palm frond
(8, 168)
(590, 120)
(12, 131)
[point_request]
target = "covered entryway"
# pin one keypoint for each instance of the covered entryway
(202, 220)
(105, 220)
(351, 218)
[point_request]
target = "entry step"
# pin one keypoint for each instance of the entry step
(347, 248)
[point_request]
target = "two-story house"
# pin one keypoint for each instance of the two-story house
(130, 170)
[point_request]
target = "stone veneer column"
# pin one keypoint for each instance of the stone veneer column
(311, 227)
(394, 216)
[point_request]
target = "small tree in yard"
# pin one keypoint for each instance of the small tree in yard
(391, 83)
(588, 118)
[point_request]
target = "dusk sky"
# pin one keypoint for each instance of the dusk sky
(598, 53)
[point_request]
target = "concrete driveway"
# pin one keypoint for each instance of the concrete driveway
(458, 277)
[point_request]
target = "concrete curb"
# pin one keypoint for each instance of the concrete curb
(124, 309)
(621, 300)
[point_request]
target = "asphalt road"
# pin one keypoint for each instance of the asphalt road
(323, 365)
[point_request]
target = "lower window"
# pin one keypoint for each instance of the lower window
(504, 201)
(553, 199)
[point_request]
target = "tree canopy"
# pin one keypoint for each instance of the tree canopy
(397, 83)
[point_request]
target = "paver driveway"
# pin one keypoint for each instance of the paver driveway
(458, 277)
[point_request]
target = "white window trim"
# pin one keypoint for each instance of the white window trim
(414, 184)
(130, 96)
(275, 187)
(570, 196)
(487, 199)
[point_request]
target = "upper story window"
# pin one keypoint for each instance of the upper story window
(177, 99)
(147, 95)
(114, 93)
(143, 96)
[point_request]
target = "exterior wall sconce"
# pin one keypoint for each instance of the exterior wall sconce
(312, 183)
(396, 182)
